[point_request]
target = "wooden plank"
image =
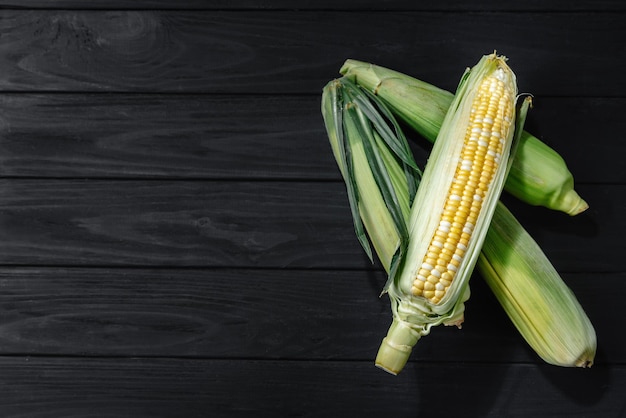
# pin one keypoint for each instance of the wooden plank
(157, 136)
(189, 313)
(269, 314)
(53, 387)
(245, 224)
(298, 52)
(175, 224)
(230, 137)
(444, 5)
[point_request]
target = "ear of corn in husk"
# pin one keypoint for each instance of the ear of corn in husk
(376, 163)
(453, 207)
(538, 175)
(533, 295)
(387, 241)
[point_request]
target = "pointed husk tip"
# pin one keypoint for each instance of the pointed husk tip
(573, 203)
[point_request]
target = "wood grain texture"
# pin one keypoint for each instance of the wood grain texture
(175, 224)
(245, 137)
(298, 52)
(160, 136)
(251, 313)
(53, 387)
(383, 5)
(247, 224)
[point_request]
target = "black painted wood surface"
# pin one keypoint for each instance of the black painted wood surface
(175, 239)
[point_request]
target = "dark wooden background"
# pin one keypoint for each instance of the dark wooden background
(175, 239)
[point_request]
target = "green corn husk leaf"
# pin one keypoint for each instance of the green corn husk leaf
(374, 159)
(538, 176)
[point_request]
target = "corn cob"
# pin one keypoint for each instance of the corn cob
(538, 175)
(454, 205)
(578, 337)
